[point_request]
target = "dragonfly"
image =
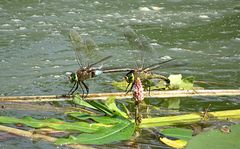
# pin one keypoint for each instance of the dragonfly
(144, 74)
(85, 50)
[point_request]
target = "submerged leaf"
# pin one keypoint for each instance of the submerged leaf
(123, 130)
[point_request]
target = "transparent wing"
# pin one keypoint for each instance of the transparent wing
(138, 44)
(84, 48)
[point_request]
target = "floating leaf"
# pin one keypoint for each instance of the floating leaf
(173, 143)
(215, 139)
(123, 130)
(177, 82)
(181, 133)
(51, 123)
(97, 118)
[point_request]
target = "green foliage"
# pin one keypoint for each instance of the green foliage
(177, 82)
(215, 139)
(110, 103)
(109, 107)
(93, 129)
(79, 101)
(122, 130)
(180, 133)
(51, 123)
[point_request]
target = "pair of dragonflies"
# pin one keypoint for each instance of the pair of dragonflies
(85, 48)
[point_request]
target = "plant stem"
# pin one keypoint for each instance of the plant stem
(122, 95)
(189, 118)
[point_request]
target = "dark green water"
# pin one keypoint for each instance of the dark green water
(35, 52)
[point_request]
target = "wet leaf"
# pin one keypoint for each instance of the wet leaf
(180, 133)
(174, 143)
(96, 118)
(123, 130)
(51, 123)
(215, 139)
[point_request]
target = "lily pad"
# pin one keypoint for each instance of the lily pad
(215, 139)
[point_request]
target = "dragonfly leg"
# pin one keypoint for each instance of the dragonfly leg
(83, 91)
(72, 88)
(86, 87)
(127, 91)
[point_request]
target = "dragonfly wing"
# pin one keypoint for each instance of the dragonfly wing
(78, 45)
(85, 48)
(138, 44)
(156, 65)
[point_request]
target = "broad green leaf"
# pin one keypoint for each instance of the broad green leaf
(97, 118)
(79, 101)
(180, 133)
(51, 123)
(101, 107)
(215, 139)
(113, 107)
(123, 130)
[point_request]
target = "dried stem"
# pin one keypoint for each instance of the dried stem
(122, 95)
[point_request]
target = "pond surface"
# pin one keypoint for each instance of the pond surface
(36, 53)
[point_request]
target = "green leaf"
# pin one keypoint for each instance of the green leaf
(123, 130)
(180, 133)
(215, 139)
(101, 107)
(51, 123)
(110, 103)
(187, 83)
(79, 101)
(96, 118)
(177, 82)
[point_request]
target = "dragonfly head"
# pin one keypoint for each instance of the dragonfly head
(129, 77)
(73, 77)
